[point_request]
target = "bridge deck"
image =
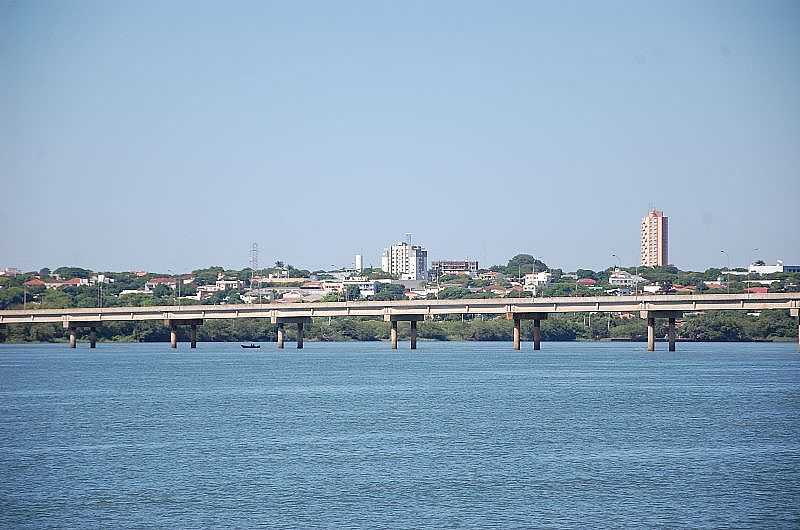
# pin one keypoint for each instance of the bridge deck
(389, 309)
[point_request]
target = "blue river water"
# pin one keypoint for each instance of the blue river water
(353, 435)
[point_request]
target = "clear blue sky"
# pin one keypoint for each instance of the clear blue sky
(156, 135)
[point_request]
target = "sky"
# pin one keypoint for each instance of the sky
(173, 135)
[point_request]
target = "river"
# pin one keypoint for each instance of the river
(353, 435)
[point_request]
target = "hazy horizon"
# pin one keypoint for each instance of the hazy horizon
(155, 137)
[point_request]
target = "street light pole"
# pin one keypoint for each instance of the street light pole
(729, 270)
(753, 262)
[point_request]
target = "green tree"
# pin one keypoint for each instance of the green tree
(524, 264)
(389, 291)
(73, 272)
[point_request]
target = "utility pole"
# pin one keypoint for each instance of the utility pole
(729, 270)
(254, 267)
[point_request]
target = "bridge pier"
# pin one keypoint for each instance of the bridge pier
(671, 333)
(72, 330)
(537, 318)
(796, 313)
(651, 316)
(173, 323)
(282, 321)
(299, 335)
(412, 319)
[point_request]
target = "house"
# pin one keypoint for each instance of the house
(75, 282)
(35, 282)
(224, 285)
(757, 290)
(535, 280)
(587, 282)
(100, 278)
(134, 291)
(162, 280)
(365, 287)
(621, 278)
(489, 276)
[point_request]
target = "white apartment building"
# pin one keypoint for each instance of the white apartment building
(409, 262)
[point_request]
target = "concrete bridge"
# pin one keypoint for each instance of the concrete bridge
(649, 307)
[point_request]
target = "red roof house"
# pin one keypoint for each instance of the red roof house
(588, 282)
(35, 282)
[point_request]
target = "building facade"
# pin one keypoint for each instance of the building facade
(534, 281)
(621, 278)
(444, 268)
(655, 239)
(409, 262)
(772, 269)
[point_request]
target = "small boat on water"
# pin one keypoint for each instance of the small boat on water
(251, 345)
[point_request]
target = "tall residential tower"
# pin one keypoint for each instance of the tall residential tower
(410, 262)
(655, 239)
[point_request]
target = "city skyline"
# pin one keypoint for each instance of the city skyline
(133, 140)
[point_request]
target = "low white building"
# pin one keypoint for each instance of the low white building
(621, 278)
(535, 280)
(134, 291)
(365, 287)
(772, 269)
(224, 285)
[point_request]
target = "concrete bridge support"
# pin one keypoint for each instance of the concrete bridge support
(412, 319)
(282, 321)
(173, 323)
(299, 335)
(796, 313)
(671, 333)
(72, 329)
(651, 316)
(194, 336)
(537, 328)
